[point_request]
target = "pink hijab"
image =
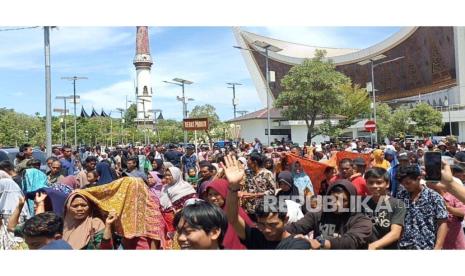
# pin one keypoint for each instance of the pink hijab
(231, 240)
(71, 182)
(156, 189)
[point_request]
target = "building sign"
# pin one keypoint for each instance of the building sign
(195, 124)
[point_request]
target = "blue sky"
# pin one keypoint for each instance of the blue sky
(203, 55)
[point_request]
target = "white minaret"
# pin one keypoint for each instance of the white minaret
(143, 63)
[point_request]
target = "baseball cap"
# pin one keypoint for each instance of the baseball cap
(402, 156)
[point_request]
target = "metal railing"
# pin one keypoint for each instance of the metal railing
(453, 107)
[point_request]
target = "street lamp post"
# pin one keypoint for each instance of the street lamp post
(121, 110)
(233, 86)
(64, 98)
(182, 82)
(266, 47)
(373, 90)
(74, 102)
(48, 92)
(155, 118)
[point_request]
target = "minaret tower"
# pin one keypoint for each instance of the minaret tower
(143, 63)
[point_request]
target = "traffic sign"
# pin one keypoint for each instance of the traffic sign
(370, 126)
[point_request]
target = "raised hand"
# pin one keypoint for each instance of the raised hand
(112, 217)
(233, 170)
(40, 197)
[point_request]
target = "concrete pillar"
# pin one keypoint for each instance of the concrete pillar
(459, 46)
(354, 133)
(461, 137)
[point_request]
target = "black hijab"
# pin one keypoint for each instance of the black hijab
(286, 177)
(160, 167)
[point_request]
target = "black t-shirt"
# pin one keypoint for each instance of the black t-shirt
(383, 214)
(254, 239)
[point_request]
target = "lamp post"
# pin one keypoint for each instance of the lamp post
(234, 102)
(48, 92)
(373, 90)
(64, 98)
(121, 111)
(182, 82)
(155, 118)
(62, 120)
(74, 79)
(266, 48)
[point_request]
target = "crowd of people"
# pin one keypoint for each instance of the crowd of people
(245, 196)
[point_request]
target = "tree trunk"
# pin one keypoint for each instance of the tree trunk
(310, 127)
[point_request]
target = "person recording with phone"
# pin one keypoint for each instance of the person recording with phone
(425, 225)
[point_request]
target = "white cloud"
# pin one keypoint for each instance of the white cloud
(109, 97)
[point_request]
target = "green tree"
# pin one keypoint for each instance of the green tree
(207, 111)
(383, 115)
(130, 116)
(355, 104)
(400, 123)
(428, 120)
(313, 90)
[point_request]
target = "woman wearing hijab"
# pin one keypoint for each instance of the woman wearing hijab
(10, 195)
(82, 228)
(176, 190)
(174, 194)
(33, 180)
(217, 190)
(291, 196)
(301, 179)
(154, 183)
(106, 174)
(379, 161)
(286, 184)
(157, 165)
(69, 181)
(139, 221)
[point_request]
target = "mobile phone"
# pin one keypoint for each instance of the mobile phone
(433, 165)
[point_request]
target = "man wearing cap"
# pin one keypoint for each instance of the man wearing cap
(395, 186)
(442, 147)
(189, 160)
(173, 156)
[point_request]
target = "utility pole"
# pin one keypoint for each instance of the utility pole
(234, 102)
(182, 82)
(48, 93)
(120, 110)
(74, 102)
(145, 118)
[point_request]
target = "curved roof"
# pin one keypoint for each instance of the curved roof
(295, 53)
(295, 50)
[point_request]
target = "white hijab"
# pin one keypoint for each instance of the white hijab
(9, 198)
(176, 189)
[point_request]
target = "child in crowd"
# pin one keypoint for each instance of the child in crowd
(192, 177)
